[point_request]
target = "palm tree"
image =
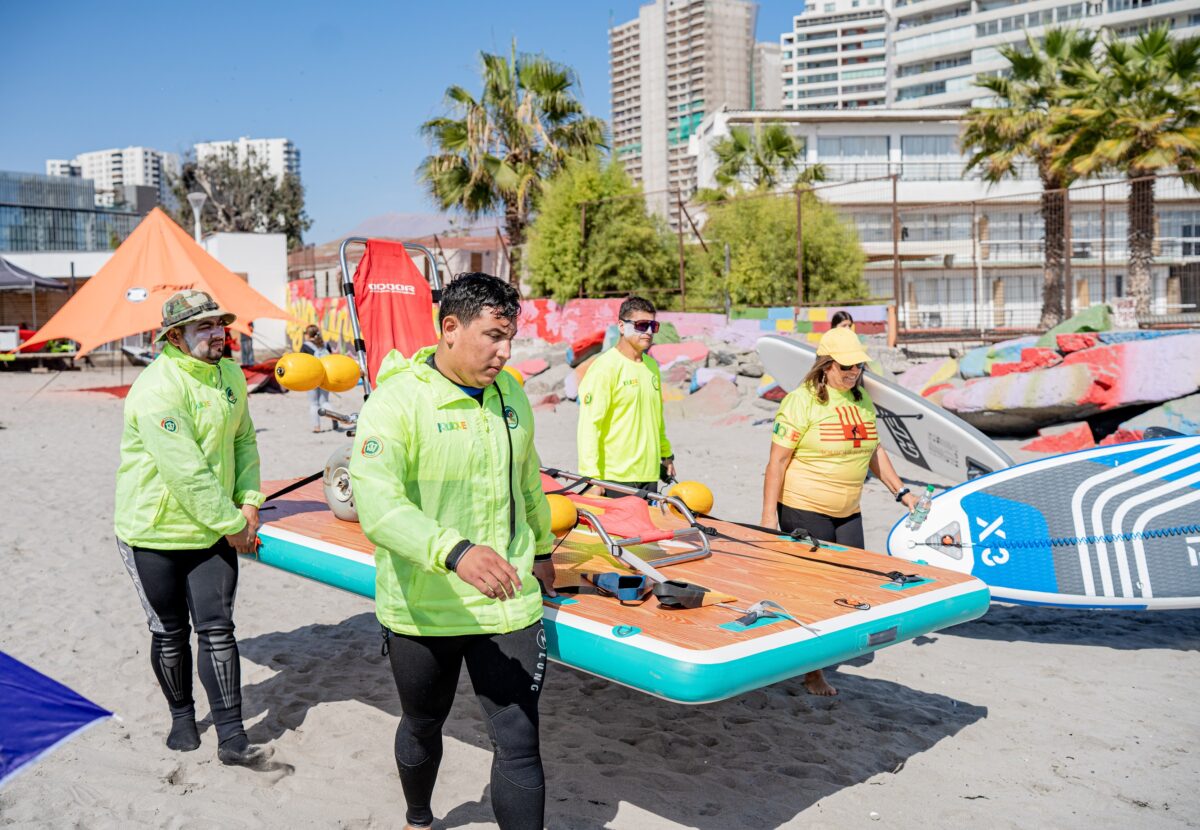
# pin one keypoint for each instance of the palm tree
(765, 156)
(492, 152)
(1137, 112)
(1018, 129)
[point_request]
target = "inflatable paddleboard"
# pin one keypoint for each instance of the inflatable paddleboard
(840, 601)
(1108, 527)
(914, 429)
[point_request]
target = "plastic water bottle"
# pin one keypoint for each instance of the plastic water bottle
(921, 511)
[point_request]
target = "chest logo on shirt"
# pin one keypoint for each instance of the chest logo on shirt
(230, 396)
(169, 424)
(372, 447)
(510, 417)
(850, 427)
(630, 382)
(451, 426)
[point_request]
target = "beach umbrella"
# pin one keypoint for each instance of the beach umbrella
(37, 714)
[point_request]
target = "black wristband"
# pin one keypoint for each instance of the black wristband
(542, 557)
(904, 491)
(456, 553)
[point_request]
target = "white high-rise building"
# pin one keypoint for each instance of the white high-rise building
(112, 170)
(679, 60)
(939, 47)
(835, 57)
(766, 91)
(279, 154)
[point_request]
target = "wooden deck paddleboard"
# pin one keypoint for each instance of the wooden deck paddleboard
(688, 656)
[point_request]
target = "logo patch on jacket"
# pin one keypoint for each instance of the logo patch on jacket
(372, 447)
(451, 426)
(587, 399)
(229, 395)
(510, 417)
(169, 424)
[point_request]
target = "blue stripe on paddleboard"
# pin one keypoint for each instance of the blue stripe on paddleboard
(1116, 459)
(1097, 606)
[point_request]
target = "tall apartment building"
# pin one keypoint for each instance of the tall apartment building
(766, 84)
(112, 171)
(676, 62)
(835, 57)
(938, 47)
(280, 155)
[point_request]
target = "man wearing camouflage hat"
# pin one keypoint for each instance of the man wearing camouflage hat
(187, 503)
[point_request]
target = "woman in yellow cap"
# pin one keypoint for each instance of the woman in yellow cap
(823, 443)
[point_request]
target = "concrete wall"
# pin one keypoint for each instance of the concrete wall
(262, 258)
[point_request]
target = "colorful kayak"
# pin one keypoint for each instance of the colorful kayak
(839, 603)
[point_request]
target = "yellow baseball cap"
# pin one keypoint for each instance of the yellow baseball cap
(843, 346)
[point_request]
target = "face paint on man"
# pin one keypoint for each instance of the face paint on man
(204, 340)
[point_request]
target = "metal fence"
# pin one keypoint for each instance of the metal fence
(972, 269)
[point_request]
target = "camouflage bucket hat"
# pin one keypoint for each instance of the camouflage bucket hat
(189, 307)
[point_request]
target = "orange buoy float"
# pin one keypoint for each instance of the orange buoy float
(563, 515)
(697, 497)
(342, 372)
(299, 372)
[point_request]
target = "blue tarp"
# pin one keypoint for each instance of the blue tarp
(36, 715)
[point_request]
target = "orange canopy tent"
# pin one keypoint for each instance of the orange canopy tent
(125, 296)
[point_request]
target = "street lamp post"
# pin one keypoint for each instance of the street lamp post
(197, 200)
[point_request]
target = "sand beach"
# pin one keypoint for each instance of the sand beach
(1028, 717)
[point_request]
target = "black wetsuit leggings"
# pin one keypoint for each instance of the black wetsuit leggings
(507, 672)
(170, 584)
(847, 530)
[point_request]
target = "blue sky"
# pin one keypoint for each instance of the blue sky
(348, 82)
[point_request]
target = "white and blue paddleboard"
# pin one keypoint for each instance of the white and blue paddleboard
(1109, 527)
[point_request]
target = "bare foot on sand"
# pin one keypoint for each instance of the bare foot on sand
(816, 684)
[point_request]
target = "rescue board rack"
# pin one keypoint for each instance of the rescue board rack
(617, 545)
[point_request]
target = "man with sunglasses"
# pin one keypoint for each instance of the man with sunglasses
(622, 437)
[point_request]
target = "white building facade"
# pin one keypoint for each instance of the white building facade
(112, 170)
(939, 47)
(835, 57)
(677, 61)
(280, 155)
(969, 254)
(766, 91)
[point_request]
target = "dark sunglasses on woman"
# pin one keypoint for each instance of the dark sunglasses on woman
(852, 368)
(643, 326)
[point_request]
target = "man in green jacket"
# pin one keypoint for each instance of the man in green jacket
(187, 503)
(448, 486)
(622, 436)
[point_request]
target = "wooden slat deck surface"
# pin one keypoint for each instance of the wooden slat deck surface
(755, 567)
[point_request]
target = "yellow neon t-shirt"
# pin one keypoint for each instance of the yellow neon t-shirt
(621, 434)
(832, 444)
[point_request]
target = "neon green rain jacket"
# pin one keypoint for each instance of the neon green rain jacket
(621, 434)
(189, 457)
(430, 468)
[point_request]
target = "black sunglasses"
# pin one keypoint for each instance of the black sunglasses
(852, 368)
(644, 326)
